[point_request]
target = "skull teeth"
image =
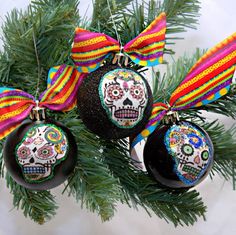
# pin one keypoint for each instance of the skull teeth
(34, 170)
(126, 113)
(191, 170)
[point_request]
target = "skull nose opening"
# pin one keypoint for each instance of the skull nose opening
(127, 101)
(197, 159)
(31, 160)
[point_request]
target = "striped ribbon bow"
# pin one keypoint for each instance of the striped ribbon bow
(208, 80)
(90, 49)
(60, 95)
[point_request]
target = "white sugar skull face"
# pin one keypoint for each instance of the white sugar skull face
(123, 95)
(43, 147)
(191, 149)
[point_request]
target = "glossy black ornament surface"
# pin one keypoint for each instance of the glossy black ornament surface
(179, 155)
(40, 155)
(94, 104)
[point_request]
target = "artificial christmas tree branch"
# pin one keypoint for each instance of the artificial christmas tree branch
(38, 206)
(225, 144)
(92, 184)
(104, 174)
(131, 17)
(52, 27)
(178, 206)
(124, 183)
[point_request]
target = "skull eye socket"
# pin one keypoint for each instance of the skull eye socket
(23, 152)
(205, 155)
(187, 149)
(115, 92)
(45, 152)
(137, 92)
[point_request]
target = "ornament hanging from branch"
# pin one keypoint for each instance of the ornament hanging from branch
(179, 153)
(39, 153)
(115, 100)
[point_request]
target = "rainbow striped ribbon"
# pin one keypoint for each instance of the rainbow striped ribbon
(208, 80)
(90, 49)
(16, 105)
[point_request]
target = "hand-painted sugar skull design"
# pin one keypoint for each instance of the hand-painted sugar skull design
(123, 94)
(191, 149)
(43, 147)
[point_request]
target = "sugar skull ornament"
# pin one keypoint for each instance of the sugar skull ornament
(40, 155)
(114, 102)
(179, 155)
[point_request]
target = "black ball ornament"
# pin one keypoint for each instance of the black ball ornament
(114, 102)
(179, 155)
(40, 154)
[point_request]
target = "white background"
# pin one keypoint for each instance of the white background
(217, 21)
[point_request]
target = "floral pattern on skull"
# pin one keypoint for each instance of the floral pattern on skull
(123, 94)
(43, 147)
(192, 151)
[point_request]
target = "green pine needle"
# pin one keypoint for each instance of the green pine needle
(177, 206)
(39, 206)
(92, 182)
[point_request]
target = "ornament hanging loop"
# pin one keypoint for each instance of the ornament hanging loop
(37, 113)
(120, 58)
(171, 116)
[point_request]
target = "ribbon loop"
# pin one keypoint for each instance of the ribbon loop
(63, 84)
(15, 106)
(90, 49)
(209, 79)
(147, 48)
(159, 110)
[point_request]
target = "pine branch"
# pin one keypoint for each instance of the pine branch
(92, 182)
(181, 14)
(131, 17)
(225, 106)
(101, 18)
(177, 206)
(45, 29)
(175, 74)
(39, 206)
(224, 146)
(41, 38)
(104, 174)
(45, 4)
